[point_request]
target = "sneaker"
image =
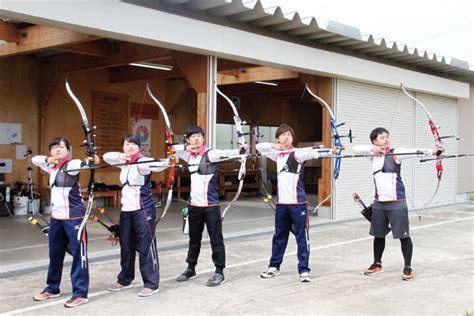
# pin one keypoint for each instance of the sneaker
(215, 280)
(375, 268)
(45, 295)
(148, 292)
(408, 274)
(187, 275)
(75, 301)
(114, 287)
(305, 277)
(270, 273)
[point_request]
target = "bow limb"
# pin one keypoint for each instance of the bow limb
(433, 126)
(417, 102)
(237, 120)
(91, 149)
(78, 104)
(158, 103)
(241, 139)
(322, 101)
(438, 142)
(337, 143)
(334, 131)
(170, 152)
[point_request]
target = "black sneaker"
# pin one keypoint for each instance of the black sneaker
(216, 279)
(187, 275)
(375, 268)
(408, 274)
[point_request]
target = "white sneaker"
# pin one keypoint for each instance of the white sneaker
(305, 277)
(270, 273)
(145, 292)
(114, 287)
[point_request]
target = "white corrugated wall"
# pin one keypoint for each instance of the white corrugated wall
(365, 106)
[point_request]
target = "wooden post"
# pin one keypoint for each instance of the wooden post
(202, 110)
(194, 67)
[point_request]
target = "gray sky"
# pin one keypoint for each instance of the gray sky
(437, 26)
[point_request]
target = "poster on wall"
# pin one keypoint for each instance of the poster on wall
(142, 128)
(14, 133)
(10, 133)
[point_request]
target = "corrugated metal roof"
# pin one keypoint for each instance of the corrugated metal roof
(252, 16)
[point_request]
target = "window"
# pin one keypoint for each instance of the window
(267, 134)
(226, 136)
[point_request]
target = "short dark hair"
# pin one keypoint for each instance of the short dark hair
(283, 128)
(57, 141)
(133, 138)
(376, 132)
(193, 129)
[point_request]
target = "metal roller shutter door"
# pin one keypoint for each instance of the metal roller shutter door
(363, 107)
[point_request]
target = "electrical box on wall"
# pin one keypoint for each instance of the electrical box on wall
(236, 101)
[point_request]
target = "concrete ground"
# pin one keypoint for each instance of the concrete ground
(24, 248)
(443, 263)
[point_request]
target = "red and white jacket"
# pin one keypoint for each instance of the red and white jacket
(135, 180)
(389, 186)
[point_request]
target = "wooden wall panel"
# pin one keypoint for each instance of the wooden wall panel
(305, 118)
(19, 104)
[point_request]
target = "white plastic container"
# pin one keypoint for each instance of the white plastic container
(34, 206)
(20, 205)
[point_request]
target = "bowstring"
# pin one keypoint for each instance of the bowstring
(393, 112)
(139, 116)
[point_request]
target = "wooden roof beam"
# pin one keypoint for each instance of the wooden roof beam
(226, 64)
(9, 33)
(126, 53)
(99, 48)
(260, 89)
(130, 73)
(40, 37)
(253, 74)
(194, 67)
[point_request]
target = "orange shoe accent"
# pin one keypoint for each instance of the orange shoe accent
(374, 270)
(408, 277)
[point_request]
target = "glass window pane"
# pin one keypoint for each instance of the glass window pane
(223, 136)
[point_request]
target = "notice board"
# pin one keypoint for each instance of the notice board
(109, 115)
